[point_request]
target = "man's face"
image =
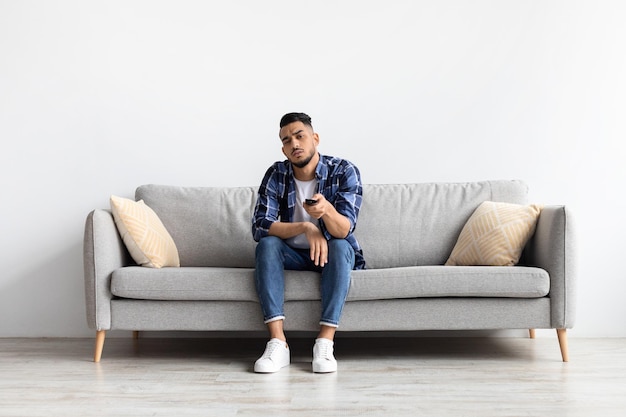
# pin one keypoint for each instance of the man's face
(299, 143)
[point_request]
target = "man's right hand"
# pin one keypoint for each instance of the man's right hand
(319, 245)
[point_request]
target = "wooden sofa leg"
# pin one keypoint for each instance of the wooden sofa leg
(531, 333)
(562, 335)
(100, 334)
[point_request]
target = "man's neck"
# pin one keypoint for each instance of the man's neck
(306, 173)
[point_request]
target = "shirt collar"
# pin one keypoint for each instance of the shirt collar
(321, 171)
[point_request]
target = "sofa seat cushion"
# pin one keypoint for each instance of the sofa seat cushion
(185, 283)
(237, 284)
(449, 281)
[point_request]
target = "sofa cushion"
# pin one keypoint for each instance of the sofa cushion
(449, 281)
(398, 225)
(418, 224)
(232, 284)
(185, 283)
(210, 225)
(143, 233)
(495, 234)
(206, 283)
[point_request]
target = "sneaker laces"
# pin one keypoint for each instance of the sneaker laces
(271, 347)
(325, 351)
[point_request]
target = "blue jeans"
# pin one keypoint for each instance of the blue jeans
(273, 256)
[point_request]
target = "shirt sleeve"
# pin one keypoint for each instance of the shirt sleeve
(267, 208)
(349, 196)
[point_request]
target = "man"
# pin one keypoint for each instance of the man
(304, 217)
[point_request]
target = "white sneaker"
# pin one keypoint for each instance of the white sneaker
(323, 359)
(275, 357)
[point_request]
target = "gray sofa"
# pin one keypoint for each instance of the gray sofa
(407, 232)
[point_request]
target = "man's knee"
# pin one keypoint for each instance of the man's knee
(340, 248)
(268, 246)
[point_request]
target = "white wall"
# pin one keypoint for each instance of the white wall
(97, 98)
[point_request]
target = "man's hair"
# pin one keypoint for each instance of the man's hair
(295, 117)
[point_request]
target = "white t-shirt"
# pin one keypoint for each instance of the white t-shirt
(304, 190)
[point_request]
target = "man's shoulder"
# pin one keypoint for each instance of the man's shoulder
(335, 163)
(281, 167)
(277, 173)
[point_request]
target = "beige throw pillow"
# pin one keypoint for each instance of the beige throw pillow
(495, 234)
(143, 233)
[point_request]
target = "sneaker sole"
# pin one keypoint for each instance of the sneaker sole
(324, 369)
(268, 371)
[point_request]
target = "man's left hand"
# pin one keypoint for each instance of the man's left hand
(319, 209)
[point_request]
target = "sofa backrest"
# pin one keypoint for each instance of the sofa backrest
(210, 226)
(418, 224)
(399, 224)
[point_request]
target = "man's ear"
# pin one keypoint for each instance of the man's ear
(316, 138)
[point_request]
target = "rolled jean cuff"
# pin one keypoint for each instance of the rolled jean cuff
(325, 323)
(274, 319)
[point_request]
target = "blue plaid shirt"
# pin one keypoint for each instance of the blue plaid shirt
(339, 181)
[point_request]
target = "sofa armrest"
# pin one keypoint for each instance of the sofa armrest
(103, 252)
(553, 249)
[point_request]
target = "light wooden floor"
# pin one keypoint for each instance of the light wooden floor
(391, 377)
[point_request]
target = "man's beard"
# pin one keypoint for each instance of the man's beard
(304, 163)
